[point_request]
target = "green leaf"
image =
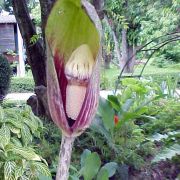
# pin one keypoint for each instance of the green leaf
(15, 121)
(9, 168)
(16, 141)
(98, 126)
(111, 168)
(106, 112)
(1, 114)
(103, 174)
(114, 102)
(26, 135)
(4, 135)
(84, 155)
(26, 152)
(127, 105)
(41, 168)
(91, 167)
(167, 153)
(19, 171)
(32, 122)
(13, 129)
(24, 177)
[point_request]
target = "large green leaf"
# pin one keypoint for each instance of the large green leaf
(9, 169)
(91, 166)
(15, 121)
(4, 136)
(98, 126)
(102, 175)
(167, 153)
(111, 168)
(127, 105)
(26, 135)
(41, 168)
(1, 114)
(107, 113)
(19, 171)
(114, 101)
(84, 155)
(25, 152)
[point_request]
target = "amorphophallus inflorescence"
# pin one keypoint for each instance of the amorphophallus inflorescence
(73, 55)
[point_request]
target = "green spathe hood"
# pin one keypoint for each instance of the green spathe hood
(68, 27)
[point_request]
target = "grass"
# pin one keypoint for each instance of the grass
(109, 76)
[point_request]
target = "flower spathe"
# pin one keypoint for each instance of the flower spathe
(73, 53)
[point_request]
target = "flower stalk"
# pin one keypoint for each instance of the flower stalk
(64, 158)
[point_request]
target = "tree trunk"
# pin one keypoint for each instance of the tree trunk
(107, 59)
(128, 54)
(123, 62)
(132, 57)
(117, 49)
(99, 4)
(36, 53)
(116, 43)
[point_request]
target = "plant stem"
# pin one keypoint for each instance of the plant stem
(64, 158)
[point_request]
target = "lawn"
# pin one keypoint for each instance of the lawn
(109, 76)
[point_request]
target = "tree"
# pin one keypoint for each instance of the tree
(125, 19)
(36, 53)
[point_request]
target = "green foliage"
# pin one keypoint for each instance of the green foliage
(18, 158)
(21, 85)
(91, 168)
(5, 74)
(35, 38)
(126, 140)
(36, 13)
(164, 127)
(48, 146)
(166, 113)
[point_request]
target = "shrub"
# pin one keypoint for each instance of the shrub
(5, 74)
(18, 159)
(21, 85)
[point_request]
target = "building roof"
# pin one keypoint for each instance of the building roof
(7, 19)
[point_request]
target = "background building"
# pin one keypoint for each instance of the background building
(11, 43)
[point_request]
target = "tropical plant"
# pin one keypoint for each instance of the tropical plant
(18, 159)
(116, 122)
(91, 168)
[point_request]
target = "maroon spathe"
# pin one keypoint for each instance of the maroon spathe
(56, 91)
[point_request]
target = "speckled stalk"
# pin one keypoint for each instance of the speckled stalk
(64, 158)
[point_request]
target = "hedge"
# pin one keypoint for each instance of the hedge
(21, 85)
